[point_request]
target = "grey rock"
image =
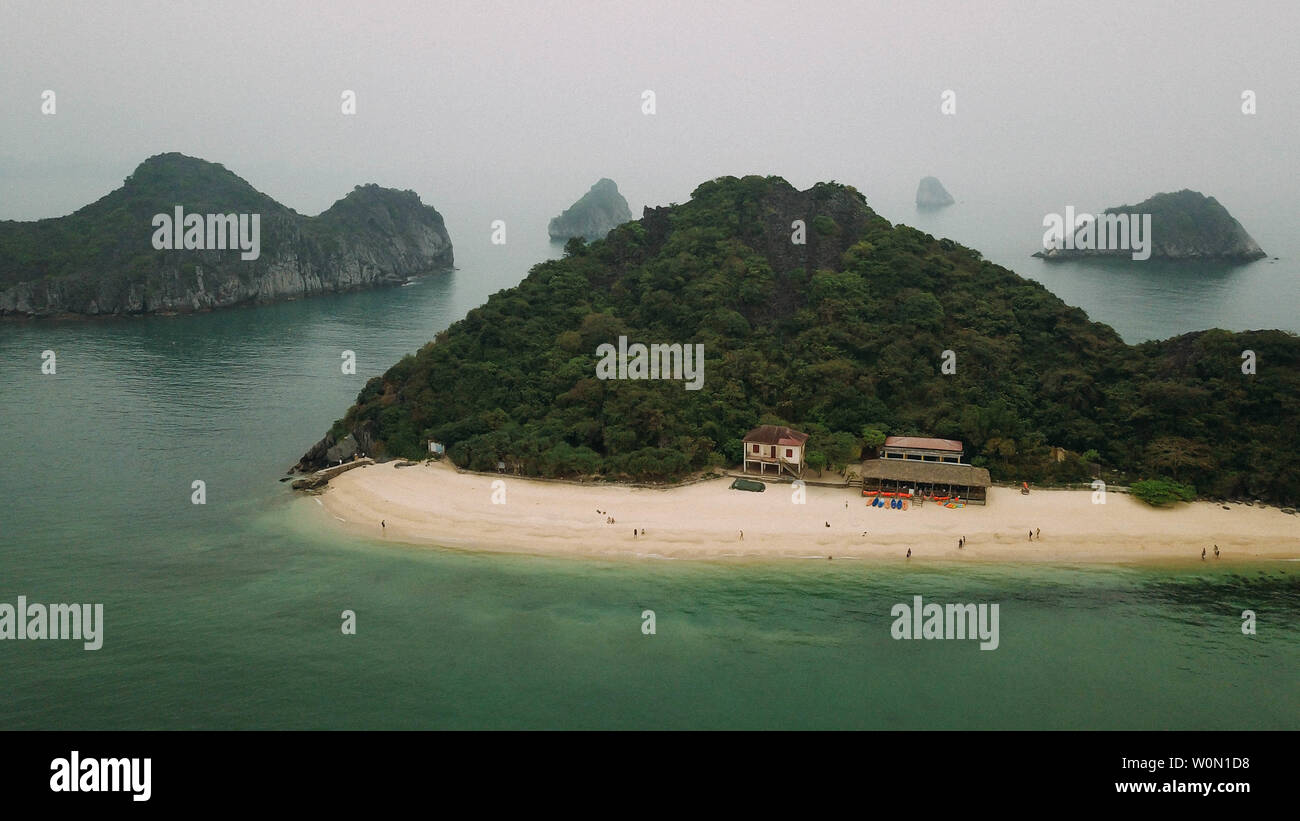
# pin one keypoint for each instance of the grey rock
(931, 194)
(593, 216)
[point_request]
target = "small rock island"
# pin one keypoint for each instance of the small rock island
(931, 194)
(593, 216)
(1184, 225)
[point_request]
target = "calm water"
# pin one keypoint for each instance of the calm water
(227, 615)
(1141, 300)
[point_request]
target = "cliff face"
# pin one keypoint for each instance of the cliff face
(1185, 225)
(102, 260)
(931, 194)
(600, 209)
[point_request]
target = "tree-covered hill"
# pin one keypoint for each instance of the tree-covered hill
(100, 259)
(843, 337)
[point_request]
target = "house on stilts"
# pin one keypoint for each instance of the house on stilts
(775, 446)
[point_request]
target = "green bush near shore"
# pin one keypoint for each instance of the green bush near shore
(1162, 492)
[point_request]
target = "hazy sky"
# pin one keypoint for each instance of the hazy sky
(521, 106)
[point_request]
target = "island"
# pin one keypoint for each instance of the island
(184, 235)
(593, 216)
(931, 194)
(864, 330)
(1183, 225)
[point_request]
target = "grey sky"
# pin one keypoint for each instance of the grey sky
(524, 105)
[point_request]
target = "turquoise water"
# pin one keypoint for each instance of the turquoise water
(227, 615)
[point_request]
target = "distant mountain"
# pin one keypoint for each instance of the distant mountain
(931, 194)
(105, 258)
(600, 209)
(1185, 225)
(843, 333)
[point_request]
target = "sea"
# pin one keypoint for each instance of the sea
(229, 614)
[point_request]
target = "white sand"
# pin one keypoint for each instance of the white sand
(434, 504)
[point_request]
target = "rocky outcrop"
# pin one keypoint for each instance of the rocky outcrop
(592, 217)
(321, 477)
(332, 449)
(101, 260)
(931, 194)
(1184, 225)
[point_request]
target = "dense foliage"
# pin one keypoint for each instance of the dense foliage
(113, 235)
(842, 337)
(1162, 492)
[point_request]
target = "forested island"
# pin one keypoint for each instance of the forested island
(106, 259)
(1183, 225)
(844, 336)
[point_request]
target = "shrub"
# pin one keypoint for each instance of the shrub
(1162, 492)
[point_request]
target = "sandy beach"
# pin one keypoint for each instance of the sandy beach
(434, 504)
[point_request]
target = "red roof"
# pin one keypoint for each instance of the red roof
(922, 443)
(775, 435)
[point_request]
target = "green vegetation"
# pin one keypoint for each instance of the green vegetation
(114, 232)
(842, 338)
(101, 260)
(1162, 492)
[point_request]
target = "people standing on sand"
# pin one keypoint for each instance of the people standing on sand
(1031, 535)
(643, 531)
(909, 553)
(1216, 551)
(1038, 533)
(959, 541)
(742, 535)
(1202, 554)
(634, 533)
(383, 525)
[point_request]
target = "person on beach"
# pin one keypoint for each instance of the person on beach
(634, 533)
(959, 544)
(909, 553)
(1031, 535)
(643, 531)
(1202, 554)
(1038, 533)
(383, 525)
(1216, 551)
(742, 535)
